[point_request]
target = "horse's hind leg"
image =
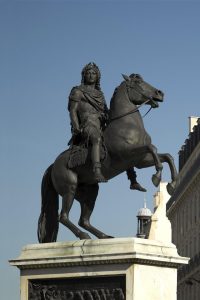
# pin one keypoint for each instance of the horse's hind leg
(87, 195)
(165, 157)
(67, 201)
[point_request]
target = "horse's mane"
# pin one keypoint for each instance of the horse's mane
(115, 91)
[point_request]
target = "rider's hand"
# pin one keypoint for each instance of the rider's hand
(105, 119)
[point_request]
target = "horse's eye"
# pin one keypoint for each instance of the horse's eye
(139, 81)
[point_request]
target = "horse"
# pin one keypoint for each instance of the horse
(128, 145)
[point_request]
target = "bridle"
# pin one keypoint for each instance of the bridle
(135, 109)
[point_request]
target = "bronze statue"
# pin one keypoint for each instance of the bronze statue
(96, 155)
(89, 117)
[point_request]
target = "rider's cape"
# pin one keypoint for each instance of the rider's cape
(93, 97)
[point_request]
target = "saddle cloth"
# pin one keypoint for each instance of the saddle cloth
(80, 153)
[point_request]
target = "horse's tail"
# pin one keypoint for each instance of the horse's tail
(48, 220)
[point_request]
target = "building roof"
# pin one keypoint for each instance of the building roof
(144, 212)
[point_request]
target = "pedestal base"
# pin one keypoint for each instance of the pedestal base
(122, 268)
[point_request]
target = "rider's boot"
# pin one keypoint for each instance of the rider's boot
(97, 173)
(95, 155)
(134, 184)
(137, 186)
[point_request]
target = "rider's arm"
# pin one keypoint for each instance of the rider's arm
(74, 116)
(74, 99)
(106, 110)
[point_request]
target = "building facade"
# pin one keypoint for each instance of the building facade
(183, 210)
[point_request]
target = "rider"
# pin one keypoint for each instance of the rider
(89, 115)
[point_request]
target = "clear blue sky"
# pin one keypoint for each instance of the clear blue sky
(43, 47)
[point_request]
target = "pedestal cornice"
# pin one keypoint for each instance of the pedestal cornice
(95, 252)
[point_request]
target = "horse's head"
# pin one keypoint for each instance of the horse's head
(140, 91)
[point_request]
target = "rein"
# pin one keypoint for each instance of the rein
(132, 111)
(147, 112)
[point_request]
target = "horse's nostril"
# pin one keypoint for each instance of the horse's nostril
(158, 92)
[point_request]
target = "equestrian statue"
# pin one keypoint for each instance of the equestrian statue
(104, 143)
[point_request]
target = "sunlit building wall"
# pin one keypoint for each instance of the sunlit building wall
(183, 210)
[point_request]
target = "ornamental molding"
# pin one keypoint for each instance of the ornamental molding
(147, 259)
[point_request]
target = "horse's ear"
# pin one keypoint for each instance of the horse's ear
(127, 78)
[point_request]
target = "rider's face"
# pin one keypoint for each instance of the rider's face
(90, 76)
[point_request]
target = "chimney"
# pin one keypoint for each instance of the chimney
(192, 122)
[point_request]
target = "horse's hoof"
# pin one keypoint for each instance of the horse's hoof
(156, 180)
(171, 188)
(105, 236)
(84, 236)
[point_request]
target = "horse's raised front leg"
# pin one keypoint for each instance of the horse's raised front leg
(156, 178)
(148, 161)
(87, 195)
(67, 201)
(165, 157)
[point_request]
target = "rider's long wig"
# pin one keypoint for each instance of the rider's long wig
(93, 66)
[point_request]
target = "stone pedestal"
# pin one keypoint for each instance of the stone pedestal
(160, 229)
(121, 268)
